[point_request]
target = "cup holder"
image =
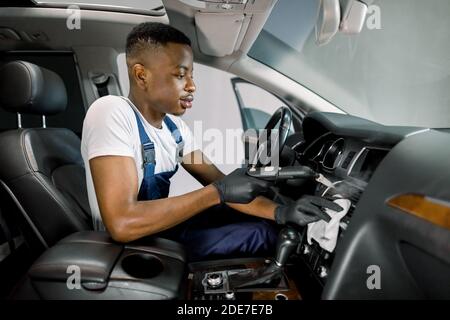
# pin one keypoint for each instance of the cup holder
(281, 296)
(142, 265)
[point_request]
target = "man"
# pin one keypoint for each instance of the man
(132, 146)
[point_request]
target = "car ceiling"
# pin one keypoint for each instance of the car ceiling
(44, 26)
(26, 26)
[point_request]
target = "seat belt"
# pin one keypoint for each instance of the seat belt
(101, 83)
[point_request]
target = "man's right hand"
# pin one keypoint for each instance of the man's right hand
(238, 187)
(305, 210)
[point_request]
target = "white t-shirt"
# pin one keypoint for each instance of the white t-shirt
(110, 128)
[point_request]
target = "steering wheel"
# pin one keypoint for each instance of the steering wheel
(283, 116)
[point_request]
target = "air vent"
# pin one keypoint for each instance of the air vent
(348, 159)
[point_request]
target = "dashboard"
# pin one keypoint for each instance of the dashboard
(344, 158)
(346, 151)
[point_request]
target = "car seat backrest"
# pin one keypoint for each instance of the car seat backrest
(42, 168)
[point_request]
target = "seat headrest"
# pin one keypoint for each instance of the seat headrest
(29, 89)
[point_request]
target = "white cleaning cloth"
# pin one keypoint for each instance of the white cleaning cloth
(326, 233)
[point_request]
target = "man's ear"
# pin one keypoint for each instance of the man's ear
(141, 75)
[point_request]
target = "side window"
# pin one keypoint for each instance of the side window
(63, 63)
(255, 104)
(256, 107)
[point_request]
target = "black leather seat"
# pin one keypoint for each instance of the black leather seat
(41, 168)
(42, 171)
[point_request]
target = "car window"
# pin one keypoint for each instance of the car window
(395, 72)
(256, 105)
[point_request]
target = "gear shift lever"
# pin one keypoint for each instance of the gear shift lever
(271, 274)
(288, 240)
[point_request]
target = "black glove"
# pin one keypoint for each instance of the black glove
(305, 210)
(237, 187)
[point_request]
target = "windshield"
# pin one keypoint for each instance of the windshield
(395, 72)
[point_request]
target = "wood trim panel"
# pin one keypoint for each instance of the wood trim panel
(433, 210)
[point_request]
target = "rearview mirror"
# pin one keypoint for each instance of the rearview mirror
(328, 20)
(353, 16)
(346, 16)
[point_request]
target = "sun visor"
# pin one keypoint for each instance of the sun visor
(218, 33)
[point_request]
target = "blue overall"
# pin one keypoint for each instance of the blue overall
(155, 186)
(213, 232)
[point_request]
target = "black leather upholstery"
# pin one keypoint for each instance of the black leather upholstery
(95, 260)
(42, 170)
(42, 167)
(28, 88)
(161, 246)
(104, 270)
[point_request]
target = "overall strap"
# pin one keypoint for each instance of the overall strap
(148, 147)
(173, 129)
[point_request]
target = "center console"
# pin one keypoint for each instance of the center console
(90, 265)
(249, 279)
(220, 280)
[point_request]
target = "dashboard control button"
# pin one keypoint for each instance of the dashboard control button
(323, 272)
(214, 279)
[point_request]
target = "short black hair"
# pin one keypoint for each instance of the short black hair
(153, 33)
